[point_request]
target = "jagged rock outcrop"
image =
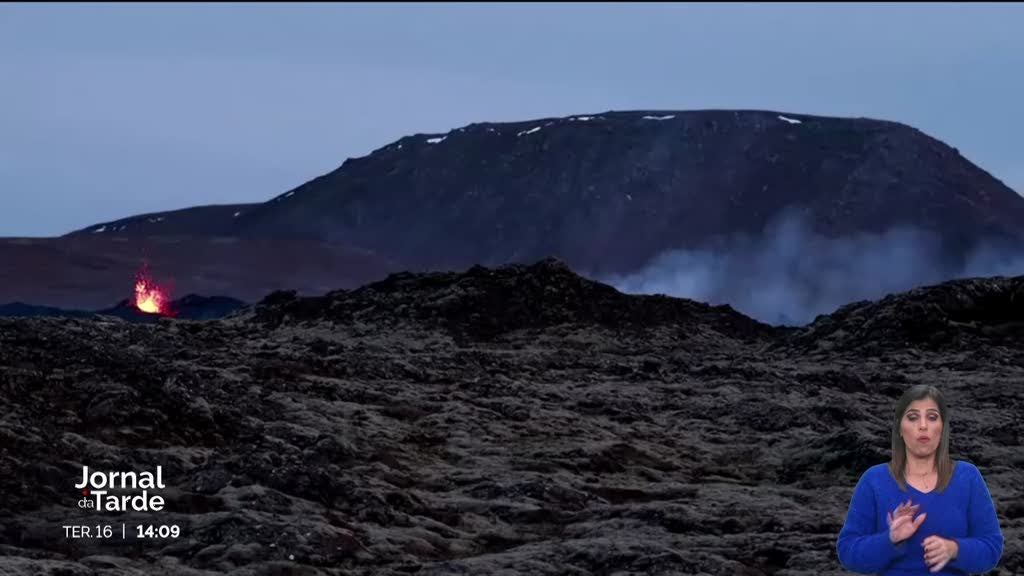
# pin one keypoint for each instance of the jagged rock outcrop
(482, 302)
(977, 313)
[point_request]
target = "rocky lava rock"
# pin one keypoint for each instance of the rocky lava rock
(518, 420)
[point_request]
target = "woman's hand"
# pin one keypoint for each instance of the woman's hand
(902, 523)
(904, 508)
(938, 551)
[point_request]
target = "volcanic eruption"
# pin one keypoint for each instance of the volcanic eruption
(150, 297)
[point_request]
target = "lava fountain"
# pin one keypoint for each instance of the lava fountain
(150, 297)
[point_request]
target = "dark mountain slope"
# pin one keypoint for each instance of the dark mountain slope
(213, 220)
(608, 192)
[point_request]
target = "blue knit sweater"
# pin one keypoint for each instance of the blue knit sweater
(963, 512)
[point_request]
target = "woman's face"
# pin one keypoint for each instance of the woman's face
(921, 420)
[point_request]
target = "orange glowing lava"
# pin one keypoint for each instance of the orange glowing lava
(150, 297)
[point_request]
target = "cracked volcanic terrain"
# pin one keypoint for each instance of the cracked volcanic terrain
(515, 420)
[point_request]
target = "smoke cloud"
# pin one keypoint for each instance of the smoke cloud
(790, 275)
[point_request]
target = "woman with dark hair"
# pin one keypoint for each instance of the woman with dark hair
(922, 512)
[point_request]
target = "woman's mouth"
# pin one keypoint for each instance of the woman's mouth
(923, 439)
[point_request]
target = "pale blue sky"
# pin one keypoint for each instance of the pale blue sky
(113, 110)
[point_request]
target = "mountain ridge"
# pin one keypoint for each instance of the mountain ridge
(610, 193)
(621, 192)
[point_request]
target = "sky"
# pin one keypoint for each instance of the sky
(111, 110)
